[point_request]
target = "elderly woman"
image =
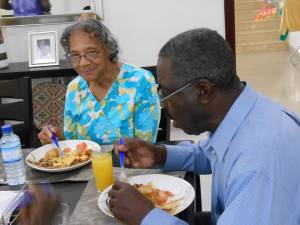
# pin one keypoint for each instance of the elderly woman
(108, 99)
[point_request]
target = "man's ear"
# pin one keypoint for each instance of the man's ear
(205, 91)
(202, 92)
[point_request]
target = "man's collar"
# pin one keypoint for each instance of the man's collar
(225, 132)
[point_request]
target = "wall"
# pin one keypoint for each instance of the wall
(68, 6)
(143, 26)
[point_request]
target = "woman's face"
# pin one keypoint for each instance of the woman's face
(94, 57)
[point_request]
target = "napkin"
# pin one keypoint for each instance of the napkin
(9, 200)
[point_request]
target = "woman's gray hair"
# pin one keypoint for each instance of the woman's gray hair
(201, 53)
(98, 30)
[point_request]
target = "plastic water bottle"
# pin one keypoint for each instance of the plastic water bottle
(12, 157)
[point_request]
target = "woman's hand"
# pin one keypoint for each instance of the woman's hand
(142, 154)
(45, 135)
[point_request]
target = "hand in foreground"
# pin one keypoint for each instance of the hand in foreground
(45, 135)
(41, 210)
(141, 154)
(127, 204)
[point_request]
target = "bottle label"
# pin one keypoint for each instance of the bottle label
(11, 154)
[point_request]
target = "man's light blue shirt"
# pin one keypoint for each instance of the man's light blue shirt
(254, 158)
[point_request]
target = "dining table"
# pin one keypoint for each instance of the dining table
(77, 188)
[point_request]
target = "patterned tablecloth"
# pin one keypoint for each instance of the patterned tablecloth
(87, 211)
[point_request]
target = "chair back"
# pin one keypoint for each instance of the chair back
(19, 108)
(165, 124)
(48, 104)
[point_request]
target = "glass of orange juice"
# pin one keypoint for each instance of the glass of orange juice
(102, 169)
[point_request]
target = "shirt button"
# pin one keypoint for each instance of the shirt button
(213, 152)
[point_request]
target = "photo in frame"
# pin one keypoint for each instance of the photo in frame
(43, 48)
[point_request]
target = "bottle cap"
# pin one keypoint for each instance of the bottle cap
(6, 129)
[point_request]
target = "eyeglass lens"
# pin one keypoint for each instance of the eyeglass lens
(75, 58)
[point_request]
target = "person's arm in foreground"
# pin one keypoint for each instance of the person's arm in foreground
(126, 203)
(41, 210)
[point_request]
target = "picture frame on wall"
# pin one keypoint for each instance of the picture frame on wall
(43, 49)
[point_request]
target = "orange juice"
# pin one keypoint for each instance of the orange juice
(102, 169)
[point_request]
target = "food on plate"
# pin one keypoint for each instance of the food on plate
(71, 157)
(160, 198)
(52, 153)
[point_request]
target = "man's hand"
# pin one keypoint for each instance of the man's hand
(142, 154)
(127, 204)
(41, 210)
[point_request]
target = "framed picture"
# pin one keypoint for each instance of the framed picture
(43, 48)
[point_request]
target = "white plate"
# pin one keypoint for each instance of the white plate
(179, 187)
(39, 153)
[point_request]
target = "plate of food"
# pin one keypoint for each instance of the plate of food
(166, 192)
(77, 153)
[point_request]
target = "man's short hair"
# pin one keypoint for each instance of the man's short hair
(201, 53)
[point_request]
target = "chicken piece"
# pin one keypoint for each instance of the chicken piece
(52, 153)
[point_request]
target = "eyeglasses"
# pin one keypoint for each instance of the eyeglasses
(89, 55)
(163, 99)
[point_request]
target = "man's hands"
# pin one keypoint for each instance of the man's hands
(142, 154)
(128, 204)
(41, 210)
(45, 135)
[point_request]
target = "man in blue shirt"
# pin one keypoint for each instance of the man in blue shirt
(253, 148)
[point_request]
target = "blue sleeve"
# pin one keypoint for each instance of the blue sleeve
(253, 198)
(147, 109)
(158, 216)
(187, 157)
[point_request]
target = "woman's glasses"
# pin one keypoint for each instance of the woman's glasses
(91, 55)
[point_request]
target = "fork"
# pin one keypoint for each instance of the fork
(55, 141)
(122, 177)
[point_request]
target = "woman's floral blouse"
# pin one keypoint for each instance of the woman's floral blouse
(130, 108)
